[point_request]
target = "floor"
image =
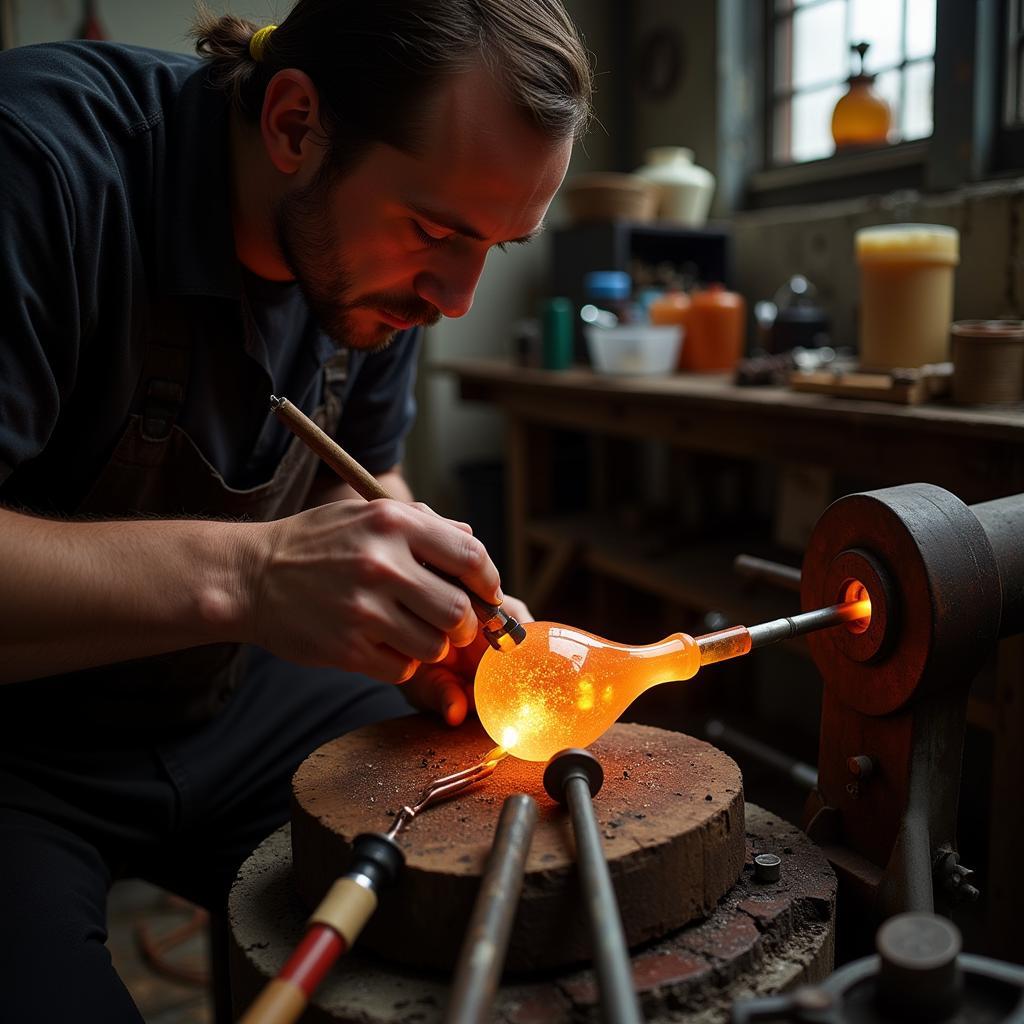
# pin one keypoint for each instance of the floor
(160, 998)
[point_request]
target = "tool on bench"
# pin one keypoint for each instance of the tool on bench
(499, 628)
(483, 949)
(573, 778)
(350, 902)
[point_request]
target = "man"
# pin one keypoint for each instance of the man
(189, 604)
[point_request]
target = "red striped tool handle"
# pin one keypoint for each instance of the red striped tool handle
(333, 929)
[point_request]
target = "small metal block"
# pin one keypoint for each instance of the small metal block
(767, 867)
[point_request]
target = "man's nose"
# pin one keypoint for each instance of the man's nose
(450, 284)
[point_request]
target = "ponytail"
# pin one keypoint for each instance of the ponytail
(224, 41)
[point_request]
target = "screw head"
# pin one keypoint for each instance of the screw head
(767, 867)
(572, 763)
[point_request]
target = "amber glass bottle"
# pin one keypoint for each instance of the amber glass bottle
(861, 117)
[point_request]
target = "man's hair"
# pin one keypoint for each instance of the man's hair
(377, 63)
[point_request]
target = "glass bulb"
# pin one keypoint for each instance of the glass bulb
(563, 687)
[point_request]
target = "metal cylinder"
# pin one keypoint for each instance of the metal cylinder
(611, 955)
(805, 775)
(483, 949)
(1003, 523)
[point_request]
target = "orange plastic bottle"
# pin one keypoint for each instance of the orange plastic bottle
(671, 309)
(716, 325)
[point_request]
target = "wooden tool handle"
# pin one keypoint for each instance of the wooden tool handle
(362, 482)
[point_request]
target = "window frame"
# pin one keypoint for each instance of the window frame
(969, 141)
(775, 95)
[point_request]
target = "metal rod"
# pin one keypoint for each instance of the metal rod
(762, 569)
(483, 949)
(498, 626)
(807, 622)
(611, 955)
(735, 641)
(803, 774)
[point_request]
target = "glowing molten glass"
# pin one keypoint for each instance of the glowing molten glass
(562, 687)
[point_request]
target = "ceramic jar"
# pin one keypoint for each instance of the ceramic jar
(684, 189)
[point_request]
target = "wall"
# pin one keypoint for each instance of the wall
(685, 117)
(162, 24)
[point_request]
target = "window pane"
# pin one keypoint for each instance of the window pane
(811, 116)
(887, 85)
(917, 114)
(920, 28)
(819, 45)
(880, 23)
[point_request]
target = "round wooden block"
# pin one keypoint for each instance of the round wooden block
(760, 939)
(670, 813)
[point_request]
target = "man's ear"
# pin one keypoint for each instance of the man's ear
(290, 121)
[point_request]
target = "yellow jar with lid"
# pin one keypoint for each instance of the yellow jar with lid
(906, 293)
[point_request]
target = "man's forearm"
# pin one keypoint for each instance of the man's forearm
(75, 595)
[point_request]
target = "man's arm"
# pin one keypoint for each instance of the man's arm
(77, 595)
(341, 585)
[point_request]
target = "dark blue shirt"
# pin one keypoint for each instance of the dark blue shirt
(113, 204)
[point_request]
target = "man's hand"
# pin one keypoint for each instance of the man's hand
(344, 585)
(447, 686)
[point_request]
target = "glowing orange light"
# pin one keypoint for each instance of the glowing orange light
(854, 590)
(563, 687)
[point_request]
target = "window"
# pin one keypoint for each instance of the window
(811, 59)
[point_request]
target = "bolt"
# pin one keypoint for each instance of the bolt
(767, 868)
(861, 765)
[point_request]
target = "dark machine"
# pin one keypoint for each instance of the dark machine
(946, 582)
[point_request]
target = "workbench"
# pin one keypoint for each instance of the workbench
(977, 453)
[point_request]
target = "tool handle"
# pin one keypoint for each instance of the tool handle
(333, 929)
(496, 623)
(361, 481)
(285, 998)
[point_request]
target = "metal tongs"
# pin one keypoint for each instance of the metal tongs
(445, 787)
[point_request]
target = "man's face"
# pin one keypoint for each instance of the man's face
(401, 239)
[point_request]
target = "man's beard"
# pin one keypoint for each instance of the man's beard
(312, 253)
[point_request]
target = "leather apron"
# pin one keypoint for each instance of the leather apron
(156, 471)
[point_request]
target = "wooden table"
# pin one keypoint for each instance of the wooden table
(977, 453)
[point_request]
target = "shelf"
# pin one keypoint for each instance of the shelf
(699, 577)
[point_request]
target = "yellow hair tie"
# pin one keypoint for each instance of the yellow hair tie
(258, 42)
